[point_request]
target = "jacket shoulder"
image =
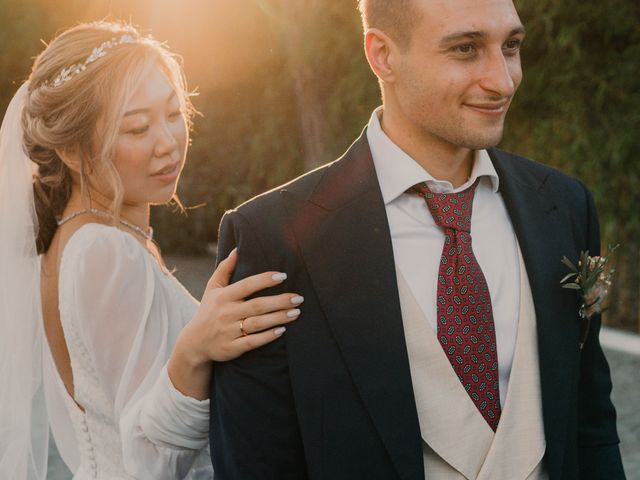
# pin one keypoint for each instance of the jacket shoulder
(524, 170)
(269, 203)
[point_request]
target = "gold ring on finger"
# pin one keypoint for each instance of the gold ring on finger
(242, 330)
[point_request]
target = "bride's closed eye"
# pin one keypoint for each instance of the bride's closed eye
(138, 131)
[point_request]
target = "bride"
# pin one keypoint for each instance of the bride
(89, 314)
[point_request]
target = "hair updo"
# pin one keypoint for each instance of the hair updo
(83, 114)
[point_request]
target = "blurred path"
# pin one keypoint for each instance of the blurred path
(625, 373)
(194, 272)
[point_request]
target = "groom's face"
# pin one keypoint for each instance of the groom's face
(455, 81)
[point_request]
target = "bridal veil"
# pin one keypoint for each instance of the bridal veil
(24, 427)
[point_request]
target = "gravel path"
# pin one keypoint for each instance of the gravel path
(193, 272)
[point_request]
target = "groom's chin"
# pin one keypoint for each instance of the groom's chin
(483, 139)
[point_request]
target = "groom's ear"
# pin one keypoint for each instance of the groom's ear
(380, 51)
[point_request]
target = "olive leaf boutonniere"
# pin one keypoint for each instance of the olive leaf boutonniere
(592, 280)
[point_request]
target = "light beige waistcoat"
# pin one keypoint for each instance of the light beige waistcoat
(457, 442)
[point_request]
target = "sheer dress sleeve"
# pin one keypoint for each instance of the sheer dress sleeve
(122, 314)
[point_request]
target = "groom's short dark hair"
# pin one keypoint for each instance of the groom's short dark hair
(394, 17)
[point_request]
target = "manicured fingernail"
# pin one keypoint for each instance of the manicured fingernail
(279, 331)
(297, 300)
(279, 277)
(235, 250)
(293, 313)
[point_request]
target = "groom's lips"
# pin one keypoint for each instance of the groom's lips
(489, 108)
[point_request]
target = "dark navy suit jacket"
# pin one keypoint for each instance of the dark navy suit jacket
(332, 399)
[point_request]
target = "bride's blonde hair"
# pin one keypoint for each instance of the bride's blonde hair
(82, 115)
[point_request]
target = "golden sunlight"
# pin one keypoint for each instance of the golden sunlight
(221, 42)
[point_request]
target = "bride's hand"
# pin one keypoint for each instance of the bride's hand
(226, 325)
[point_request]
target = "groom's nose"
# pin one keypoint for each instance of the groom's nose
(501, 74)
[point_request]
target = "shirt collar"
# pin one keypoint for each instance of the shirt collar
(397, 171)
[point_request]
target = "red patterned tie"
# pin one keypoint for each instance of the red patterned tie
(465, 320)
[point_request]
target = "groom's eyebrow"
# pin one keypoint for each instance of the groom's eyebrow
(473, 34)
(145, 110)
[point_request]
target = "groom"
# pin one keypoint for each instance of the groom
(435, 341)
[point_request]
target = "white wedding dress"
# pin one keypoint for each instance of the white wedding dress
(121, 313)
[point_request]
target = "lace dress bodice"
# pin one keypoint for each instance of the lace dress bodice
(121, 314)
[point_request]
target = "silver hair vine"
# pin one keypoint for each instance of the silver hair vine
(68, 73)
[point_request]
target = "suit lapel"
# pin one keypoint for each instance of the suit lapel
(544, 235)
(344, 238)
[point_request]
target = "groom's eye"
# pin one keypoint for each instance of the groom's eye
(465, 49)
(513, 46)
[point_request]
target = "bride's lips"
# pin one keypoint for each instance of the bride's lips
(168, 173)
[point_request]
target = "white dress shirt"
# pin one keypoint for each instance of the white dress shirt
(418, 241)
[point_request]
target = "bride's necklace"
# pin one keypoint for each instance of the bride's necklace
(148, 234)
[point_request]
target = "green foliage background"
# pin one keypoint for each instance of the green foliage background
(283, 86)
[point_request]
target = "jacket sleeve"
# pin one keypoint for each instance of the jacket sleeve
(598, 452)
(254, 430)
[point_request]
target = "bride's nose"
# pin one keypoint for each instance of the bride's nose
(166, 141)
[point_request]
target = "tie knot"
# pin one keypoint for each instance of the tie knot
(449, 210)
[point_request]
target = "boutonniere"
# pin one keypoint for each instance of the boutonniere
(592, 280)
